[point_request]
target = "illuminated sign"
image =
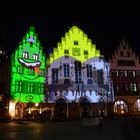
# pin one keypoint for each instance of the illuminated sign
(75, 44)
(27, 70)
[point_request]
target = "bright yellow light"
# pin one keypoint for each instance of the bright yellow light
(36, 104)
(12, 109)
(29, 111)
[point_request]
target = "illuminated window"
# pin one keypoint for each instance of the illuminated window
(20, 69)
(120, 107)
(78, 74)
(133, 73)
(75, 42)
(25, 55)
(32, 87)
(40, 88)
(66, 70)
(135, 88)
(100, 77)
(89, 71)
(31, 71)
(66, 51)
(137, 105)
(28, 87)
(36, 57)
(18, 86)
(55, 75)
(41, 72)
(85, 52)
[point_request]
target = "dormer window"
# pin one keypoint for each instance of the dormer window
(75, 42)
(85, 52)
(36, 57)
(25, 55)
(66, 51)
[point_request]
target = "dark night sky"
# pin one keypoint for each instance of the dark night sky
(104, 25)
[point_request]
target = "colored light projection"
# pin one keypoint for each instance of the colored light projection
(28, 70)
(75, 44)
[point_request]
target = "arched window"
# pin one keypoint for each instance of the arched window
(137, 105)
(120, 107)
(89, 82)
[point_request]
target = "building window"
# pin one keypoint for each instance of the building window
(75, 42)
(89, 71)
(31, 71)
(125, 73)
(78, 74)
(126, 63)
(120, 107)
(25, 55)
(18, 86)
(32, 87)
(89, 82)
(66, 70)
(85, 52)
(121, 53)
(41, 72)
(128, 54)
(137, 105)
(20, 69)
(100, 77)
(36, 57)
(66, 51)
(55, 75)
(138, 73)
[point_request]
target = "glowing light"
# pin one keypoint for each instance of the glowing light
(26, 81)
(36, 104)
(12, 109)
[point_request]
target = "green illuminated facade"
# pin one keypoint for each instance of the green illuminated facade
(28, 70)
(75, 44)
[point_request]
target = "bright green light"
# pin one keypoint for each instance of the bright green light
(27, 70)
(78, 44)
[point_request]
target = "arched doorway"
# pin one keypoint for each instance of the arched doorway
(137, 105)
(60, 109)
(101, 107)
(120, 107)
(18, 111)
(85, 107)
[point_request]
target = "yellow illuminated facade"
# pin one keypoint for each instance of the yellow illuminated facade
(75, 44)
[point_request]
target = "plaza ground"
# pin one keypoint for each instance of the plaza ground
(126, 128)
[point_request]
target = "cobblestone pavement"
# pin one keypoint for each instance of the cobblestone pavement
(83, 129)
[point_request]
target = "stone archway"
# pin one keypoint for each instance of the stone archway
(18, 111)
(120, 107)
(85, 108)
(60, 109)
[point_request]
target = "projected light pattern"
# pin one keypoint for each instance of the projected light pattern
(75, 44)
(27, 70)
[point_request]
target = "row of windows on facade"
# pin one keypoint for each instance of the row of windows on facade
(125, 73)
(126, 63)
(29, 87)
(30, 71)
(133, 88)
(123, 107)
(85, 52)
(126, 54)
(78, 74)
(27, 56)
